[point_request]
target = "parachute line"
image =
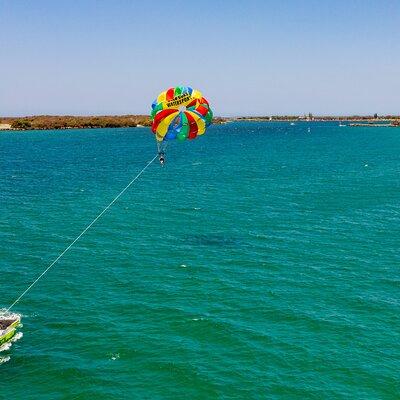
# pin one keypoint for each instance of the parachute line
(81, 234)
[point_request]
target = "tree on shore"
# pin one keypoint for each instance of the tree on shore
(21, 124)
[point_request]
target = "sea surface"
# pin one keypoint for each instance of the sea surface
(262, 262)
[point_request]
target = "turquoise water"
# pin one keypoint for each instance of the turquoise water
(261, 262)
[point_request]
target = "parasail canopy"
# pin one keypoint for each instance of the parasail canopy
(180, 113)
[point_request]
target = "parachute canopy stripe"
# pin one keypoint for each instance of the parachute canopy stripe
(204, 101)
(196, 94)
(202, 110)
(164, 125)
(170, 94)
(198, 122)
(160, 116)
(192, 125)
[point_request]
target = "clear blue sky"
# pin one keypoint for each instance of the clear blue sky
(247, 57)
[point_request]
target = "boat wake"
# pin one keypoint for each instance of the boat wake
(17, 337)
(5, 347)
(3, 360)
(114, 357)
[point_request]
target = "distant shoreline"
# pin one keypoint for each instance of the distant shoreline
(62, 122)
(326, 118)
(353, 120)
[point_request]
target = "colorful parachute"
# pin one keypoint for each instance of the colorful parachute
(180, 113)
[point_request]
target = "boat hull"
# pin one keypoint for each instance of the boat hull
(9, 333)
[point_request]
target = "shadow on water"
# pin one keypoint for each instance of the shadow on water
(216, 239)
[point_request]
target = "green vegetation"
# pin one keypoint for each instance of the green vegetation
(71, 122)
(21, 124)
